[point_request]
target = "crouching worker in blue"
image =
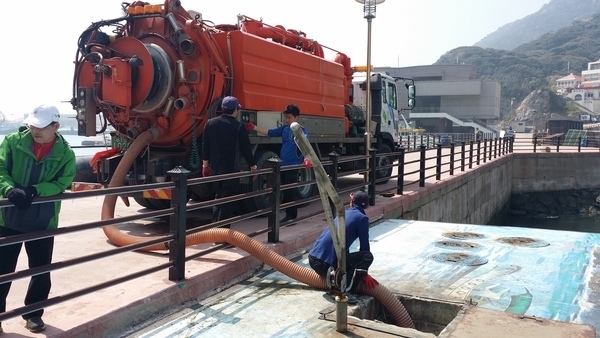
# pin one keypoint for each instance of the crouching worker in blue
(34, 162)
(322, 256)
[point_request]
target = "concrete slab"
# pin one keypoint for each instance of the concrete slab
(521, 283)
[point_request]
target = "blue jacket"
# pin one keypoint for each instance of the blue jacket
(290, 154)
(357, 226)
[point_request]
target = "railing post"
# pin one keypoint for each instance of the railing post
(373, 160)
(557, 143)
(422, 167)
(495, 147)
(534, 143)
(177, 223)
(579, 144)
(462, 156)
(478, 151)
(400, 188)
(422, 139)
(333, 176)
(470, 154)
(274, 182)
(407, 142)
(484, 150)
(451, 158)
(438, 163)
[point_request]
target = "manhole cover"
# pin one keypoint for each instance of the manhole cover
(456, 245)
(459, 258)
(523, 241)
(462, 235)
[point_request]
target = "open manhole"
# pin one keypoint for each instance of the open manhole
(429, 315)
(456, 245)
(462, 235)
(459, 258)
(523, 241)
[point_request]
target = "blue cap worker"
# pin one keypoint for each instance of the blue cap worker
(322, 256)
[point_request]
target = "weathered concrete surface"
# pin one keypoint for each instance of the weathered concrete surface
(474, 198)
(479, 322)
(554, 171)
(515, 290)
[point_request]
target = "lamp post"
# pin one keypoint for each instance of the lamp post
(369, 9)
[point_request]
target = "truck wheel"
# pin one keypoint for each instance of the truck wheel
(145, 202)
(383, 161)
(305, 191)
(262, 201)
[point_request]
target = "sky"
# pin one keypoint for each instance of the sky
(39, 42)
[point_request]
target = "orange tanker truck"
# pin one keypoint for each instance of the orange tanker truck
(159, 72)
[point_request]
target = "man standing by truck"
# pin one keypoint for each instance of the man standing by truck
(290, 155)
(223, 140)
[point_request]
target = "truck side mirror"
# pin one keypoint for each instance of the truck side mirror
(412, 93)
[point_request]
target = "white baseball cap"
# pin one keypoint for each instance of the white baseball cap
(42, 116)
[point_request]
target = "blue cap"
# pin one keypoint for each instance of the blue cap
(230, 103)
(361, 199)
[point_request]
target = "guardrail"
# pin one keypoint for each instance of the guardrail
(412, 167)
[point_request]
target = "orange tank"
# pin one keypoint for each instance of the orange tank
(268, 76)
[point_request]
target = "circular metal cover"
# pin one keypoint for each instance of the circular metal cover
(462, 235)
(523, 241)
(460, 258)
(457, 245)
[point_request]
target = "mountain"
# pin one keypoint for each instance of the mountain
(536, 64)
(550, 18)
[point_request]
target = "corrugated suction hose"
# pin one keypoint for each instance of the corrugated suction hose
(238, 239)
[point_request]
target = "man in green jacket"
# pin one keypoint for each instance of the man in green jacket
(34, 162)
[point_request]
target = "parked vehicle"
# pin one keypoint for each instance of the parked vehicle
(163, 71)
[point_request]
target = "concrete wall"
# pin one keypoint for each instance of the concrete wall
(555, 172)
(473, 197)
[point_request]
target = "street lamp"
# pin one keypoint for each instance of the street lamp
(369, 9)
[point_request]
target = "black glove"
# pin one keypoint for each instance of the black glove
(21, 197)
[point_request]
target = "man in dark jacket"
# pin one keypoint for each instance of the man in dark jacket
(322, 256)
(223, 140)
(34, 162)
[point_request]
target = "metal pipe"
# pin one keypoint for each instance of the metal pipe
(181, 71)
(181, 103)
(173, 22)
(168, 106)
(368, 103)
(327, 191)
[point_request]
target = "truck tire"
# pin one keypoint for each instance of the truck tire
(145, 202)
(262, 201)
(305, 191)
(383, 161)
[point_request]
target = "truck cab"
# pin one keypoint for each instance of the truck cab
(389, 97)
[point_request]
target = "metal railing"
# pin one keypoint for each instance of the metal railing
(412, 167)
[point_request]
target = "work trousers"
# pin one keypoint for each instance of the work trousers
(39, 253)
(290, 195)
(224, 189)
(355, 260)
